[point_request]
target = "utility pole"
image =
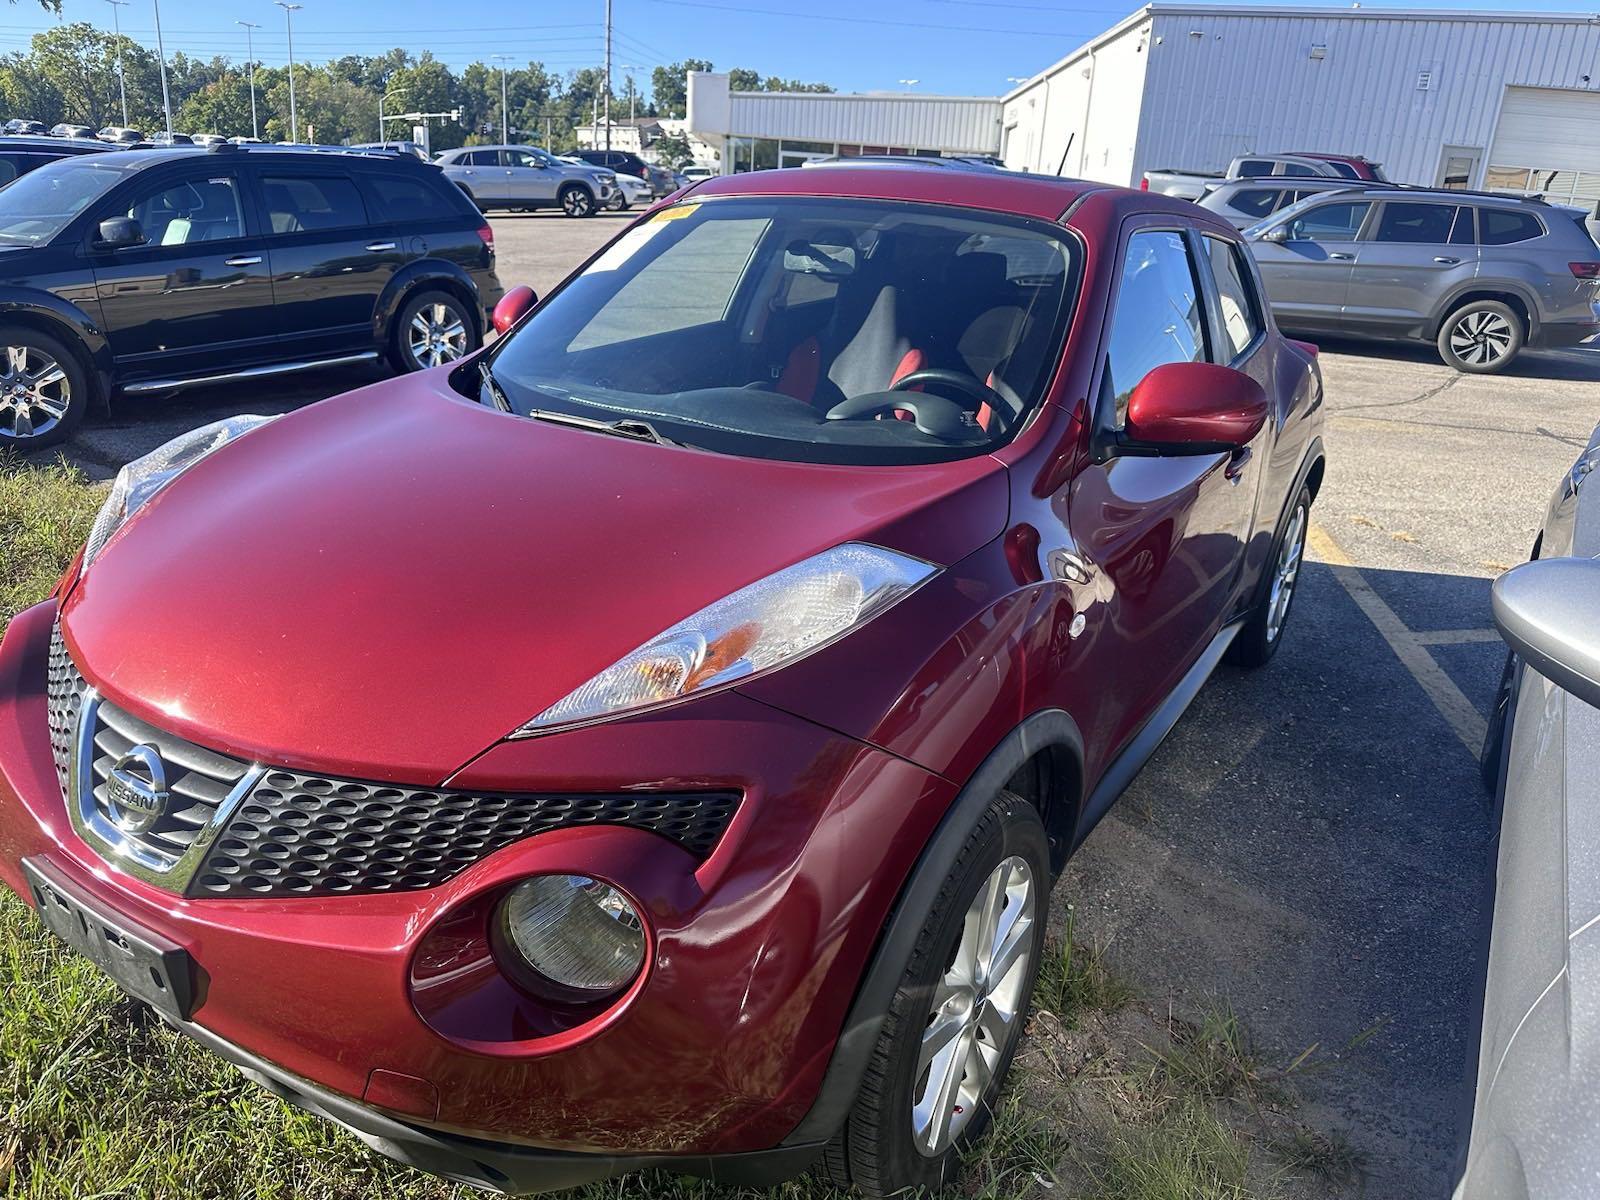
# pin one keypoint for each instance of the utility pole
(633, 110)
(505, 120)
(250, 55)
(288, 23)
(122, 81)
(383, 129)
(166, 98)
(607, 90)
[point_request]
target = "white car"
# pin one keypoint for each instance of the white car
(630, 190)
(697, 173)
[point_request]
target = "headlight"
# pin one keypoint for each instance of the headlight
(765, 625)
(578, 933)
(144, 477)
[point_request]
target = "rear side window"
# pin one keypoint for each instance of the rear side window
(1252, 168)
(1297, 169)
(480, 158)
(1345, 170)
(1426, 224)
(1236, 297)
(398, 199)
(1503, 226)
(1157, 319)
(307, 203)
(1256, 202)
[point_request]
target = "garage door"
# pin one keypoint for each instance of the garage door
(1548, 141)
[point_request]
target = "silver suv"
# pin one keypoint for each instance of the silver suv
(1480, 275)
(1247, 202)
(526, 178)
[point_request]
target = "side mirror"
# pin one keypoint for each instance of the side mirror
(513, 306)
(1548, 611)
(1278, 233)
(119, 233)
(1195, 408)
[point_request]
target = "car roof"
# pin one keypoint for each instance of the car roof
(145, 157)
(27, 141)
(1416, 192)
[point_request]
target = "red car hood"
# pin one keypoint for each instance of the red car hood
(386, 583)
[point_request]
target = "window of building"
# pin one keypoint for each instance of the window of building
(1236, 297)
(1157, 318)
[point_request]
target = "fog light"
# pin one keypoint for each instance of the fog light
(577, 933)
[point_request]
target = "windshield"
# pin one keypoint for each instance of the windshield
(810, 329)
(42, 203)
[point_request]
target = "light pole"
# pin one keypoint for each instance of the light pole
(505, 121)
(166, 97)
(633, 110)
(122, 80)
(250, 55)
(608, 75)
(383, 130)
(288, 23)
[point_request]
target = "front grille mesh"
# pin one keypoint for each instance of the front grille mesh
(298, 834)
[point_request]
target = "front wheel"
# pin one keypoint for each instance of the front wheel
(576, 201)
(44, 390)
(617, 203)
(432, 328)
(1263, 629)
(957, 1015)
(1481, 337)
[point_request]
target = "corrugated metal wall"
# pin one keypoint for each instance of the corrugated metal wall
(921, 122)
(1220, 84)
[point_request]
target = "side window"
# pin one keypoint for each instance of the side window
(1254, 168)
(1424, 224)
(306, 203)
(398, 199)
(11, 165)
(1329, 223)
(1344, 170)
(1157, 318)
(521, 158)
(1503, 226)
(1236, 296)
(481, 158)
(195, 210)
(1464, 232)
(1256, 202)
(1298, 169)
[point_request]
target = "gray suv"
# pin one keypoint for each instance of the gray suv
(526, 178)
(1480, 275)
(1247, 202)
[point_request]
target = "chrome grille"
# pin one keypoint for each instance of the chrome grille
(64, 688)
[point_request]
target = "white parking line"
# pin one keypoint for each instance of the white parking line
(1455, 637)
(1408, 647)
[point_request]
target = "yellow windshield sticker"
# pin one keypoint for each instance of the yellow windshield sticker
(676, 213)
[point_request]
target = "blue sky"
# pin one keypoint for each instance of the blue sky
(966, 47)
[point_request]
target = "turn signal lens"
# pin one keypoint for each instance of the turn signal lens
(574, 932)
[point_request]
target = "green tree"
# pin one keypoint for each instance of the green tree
(673, 150)
(222, 107)
(330, 110)
(669, 85)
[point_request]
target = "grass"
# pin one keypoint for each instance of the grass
(1109, 1101)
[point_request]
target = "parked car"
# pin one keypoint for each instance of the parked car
(738, 862)
(208, 139)
(630, 189)
(19, 155)
(244, 141)
(120, 135)
(411, 148)
(623, 162)
(527, 178)
(71, 131)
(1191, 185)
(266, 261)
(1479, 275)
(162, 138)
(26, 128)
(1532, 1120)
(1247, 202)
(695, 174)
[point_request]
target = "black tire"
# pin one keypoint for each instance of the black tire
(409, 347)
(1263, 629)
(617, 203)
(576, 200)
(44, 389)
(877, 1150)
(1481, 337)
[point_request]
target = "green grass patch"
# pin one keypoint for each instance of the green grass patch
(1188, 1153)
(1074, 979)
(45, 514)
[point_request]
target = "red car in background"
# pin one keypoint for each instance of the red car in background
(652, 741)
(1353, 165)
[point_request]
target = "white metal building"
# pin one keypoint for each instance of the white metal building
(1509, 101)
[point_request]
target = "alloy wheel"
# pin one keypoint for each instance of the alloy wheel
(1286, 572)
(35, 393)
(1481, 337)
(976, 1004)
(438, 335)
(576, 202)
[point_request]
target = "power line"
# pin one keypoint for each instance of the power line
(745, 10)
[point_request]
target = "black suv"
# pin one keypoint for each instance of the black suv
(624, 162)
(145, 271)
(19, 155)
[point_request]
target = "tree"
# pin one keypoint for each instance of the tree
(673, 150)
(330, 110)
(75, 65)
(669, 86)
(222, 107)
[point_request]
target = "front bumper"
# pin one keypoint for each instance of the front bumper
(720, 1049)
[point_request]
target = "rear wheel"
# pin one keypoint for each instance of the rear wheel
(576, 201)
(432, 328)
(44, 390)
(617, 203)
(1481, 337)
(1263, 628)
(957, 1016)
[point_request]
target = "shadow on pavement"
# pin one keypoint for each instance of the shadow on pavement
(1579, 364)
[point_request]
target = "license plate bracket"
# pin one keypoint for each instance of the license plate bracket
(147, 965)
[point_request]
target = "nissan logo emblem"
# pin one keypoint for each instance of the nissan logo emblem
(136, 790)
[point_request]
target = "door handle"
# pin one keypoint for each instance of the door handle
(380, 247)
(1237, 461)
(243, 260)
(1340, 256)
(1445, 259)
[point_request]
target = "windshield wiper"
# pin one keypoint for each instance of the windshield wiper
(496, 392)
(628, 427)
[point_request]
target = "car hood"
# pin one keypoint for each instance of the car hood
(384, 584)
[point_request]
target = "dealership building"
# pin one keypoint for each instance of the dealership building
(1508, 101)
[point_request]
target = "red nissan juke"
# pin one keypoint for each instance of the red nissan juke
(652, 740)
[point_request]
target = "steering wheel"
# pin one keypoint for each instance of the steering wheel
(962, 382)
(936, 415)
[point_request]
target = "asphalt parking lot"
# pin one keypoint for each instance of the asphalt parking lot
(1312, 843)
